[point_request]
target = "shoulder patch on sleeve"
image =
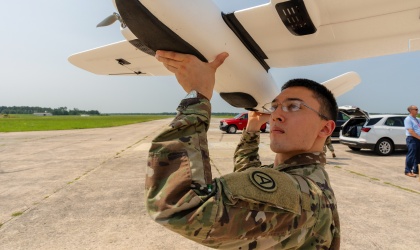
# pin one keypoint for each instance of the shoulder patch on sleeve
(265, 186)
(263, 181)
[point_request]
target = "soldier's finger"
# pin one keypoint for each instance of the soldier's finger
(170, 55)
(220, 58)
(168, 62)
(170, 68)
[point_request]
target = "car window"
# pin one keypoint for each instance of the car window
(401, 121)
(245, 116)
(342, 116)
(373, 121)
(394, 122)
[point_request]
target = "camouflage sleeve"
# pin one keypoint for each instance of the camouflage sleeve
(179, 170)
(246, 153)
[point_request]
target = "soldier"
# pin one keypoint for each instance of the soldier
(285, 205)
(328, 144)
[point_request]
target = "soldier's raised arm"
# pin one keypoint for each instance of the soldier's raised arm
(246, 153)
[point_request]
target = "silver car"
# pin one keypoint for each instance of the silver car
(382, 133)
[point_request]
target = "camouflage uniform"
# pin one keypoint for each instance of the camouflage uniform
(328, 143)
(289, 206)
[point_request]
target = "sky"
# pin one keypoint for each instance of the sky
(39, 36)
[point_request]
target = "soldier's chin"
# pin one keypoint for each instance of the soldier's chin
(277, 148)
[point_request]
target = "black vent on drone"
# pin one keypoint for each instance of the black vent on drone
(141, 46)
(295, 17)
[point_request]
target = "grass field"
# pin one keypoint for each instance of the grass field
(20, 123)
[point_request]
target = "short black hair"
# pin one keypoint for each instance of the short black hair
(324, 96)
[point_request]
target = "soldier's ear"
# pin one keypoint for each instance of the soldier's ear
(327, 129)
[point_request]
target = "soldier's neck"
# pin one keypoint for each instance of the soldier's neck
(281, 158)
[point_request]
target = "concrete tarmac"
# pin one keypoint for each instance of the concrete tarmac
(84, 189)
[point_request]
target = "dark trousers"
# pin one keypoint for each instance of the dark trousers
(413, 155)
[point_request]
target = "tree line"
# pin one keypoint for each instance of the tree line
(55, 111)
(5, 110)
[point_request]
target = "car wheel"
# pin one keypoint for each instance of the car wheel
(384, 147)
(263, 130)
(354, 149)
(231, 129)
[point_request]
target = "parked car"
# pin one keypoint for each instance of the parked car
(344, 114)
(382, 133)
(239, 122)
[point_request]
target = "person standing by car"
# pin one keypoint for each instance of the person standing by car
(412, 131)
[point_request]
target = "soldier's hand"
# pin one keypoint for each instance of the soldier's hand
(256, 120)
(191, 73)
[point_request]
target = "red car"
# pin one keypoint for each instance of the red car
(239, 122)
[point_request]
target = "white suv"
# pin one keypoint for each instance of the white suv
(381, 133)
